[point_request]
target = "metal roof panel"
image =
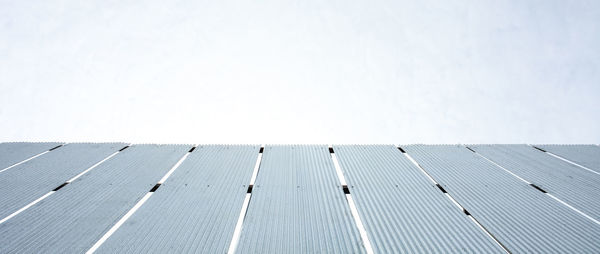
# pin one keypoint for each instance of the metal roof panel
(522, 218)
(572, 184)
(195, 210)
(585, 155)
(298, 205)
(15, 152)
(74, 218)
(27, 182)
(402, 210)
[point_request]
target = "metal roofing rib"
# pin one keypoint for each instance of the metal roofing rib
(195, 210)
(402, 210)
(585, 155)
(15, 152)
(74, 218)
(298, 205)
(28, 181)
(522, 218)
(579, 188)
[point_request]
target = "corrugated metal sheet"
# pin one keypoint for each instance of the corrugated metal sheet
(585, 155)
(298, 205)
(195, 210)
(74, 218)
(402, 210)
(522, 218)
(28, 181)
(15, 152)
(572, 184)
(297, 202)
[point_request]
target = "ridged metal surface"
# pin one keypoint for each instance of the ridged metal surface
(298, 205)
(28, 181)
(402, 210)
(572, 184)
(585, 155)
(75, 217)
(195, 210)
(522, 218)
(15, 152)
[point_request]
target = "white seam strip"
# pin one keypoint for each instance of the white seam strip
(421, 168)
(487, 232)
(555, 198)
(240, 223)
(359, 224)
(95, 165)
(353, 210)
(115, 227)
(92, 167)
(256, 166)
(30, 158)
(571, 162)
(19, 163)
(119, 223)
(575, 209)
(51, 192)
(27, 206)
(338, 170)
(173, 168)
(503, 168)
(455, 202)
(238, 227)
(462, 209)
(255, 171)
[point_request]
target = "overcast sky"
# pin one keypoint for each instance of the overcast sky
(300, 71)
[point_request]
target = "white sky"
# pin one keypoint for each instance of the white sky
(300, 71)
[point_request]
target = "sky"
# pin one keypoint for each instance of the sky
(308, 71)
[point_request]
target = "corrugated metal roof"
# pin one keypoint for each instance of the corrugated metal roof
(195, 210)
(402, 210)
(522, 218)
(74, 218)
(28, 181)
(15, 152)
(298, 205)
(572, 184)
(585, 155)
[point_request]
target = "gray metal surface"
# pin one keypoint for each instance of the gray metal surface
(27, 182)
(298, 205)
(578, 187)
(15, 152)
(75, 217)
(585, 155)
(195, 210)
(522, 218)
(402, 210)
